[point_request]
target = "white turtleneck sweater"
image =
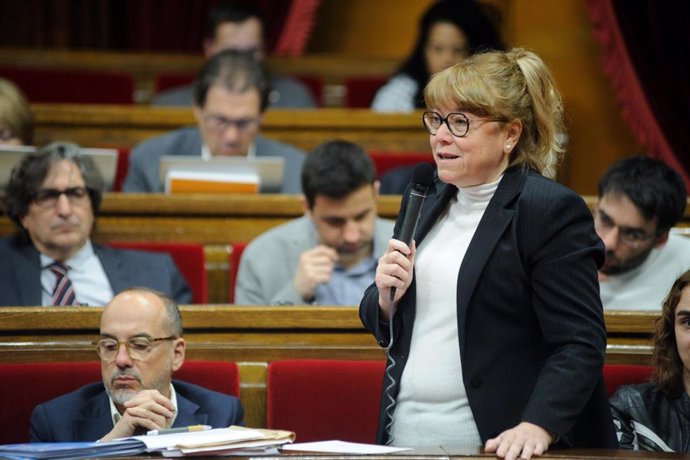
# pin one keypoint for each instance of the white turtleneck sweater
(432, 407)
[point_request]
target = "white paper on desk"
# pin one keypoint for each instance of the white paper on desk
(342, 447)
(217, 435)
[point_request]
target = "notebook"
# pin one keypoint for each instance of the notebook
(105, 161)
(193, 174)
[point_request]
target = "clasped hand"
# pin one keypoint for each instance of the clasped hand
(149, 410)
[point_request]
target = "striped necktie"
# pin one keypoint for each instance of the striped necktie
(63, 294)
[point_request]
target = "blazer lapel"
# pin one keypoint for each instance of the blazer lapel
(96, 421)
(496, 218)
(114, 268)
(431, 210)
(188, 412)
(28, 275)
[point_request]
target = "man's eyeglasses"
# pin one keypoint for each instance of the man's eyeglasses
(47, 197)
(631, 237)
(458, 123)
(138, 348)
(219, 123)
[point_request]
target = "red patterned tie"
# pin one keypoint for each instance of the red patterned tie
(63, 294)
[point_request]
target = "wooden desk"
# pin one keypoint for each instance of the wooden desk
(126, 126)
(252, 337)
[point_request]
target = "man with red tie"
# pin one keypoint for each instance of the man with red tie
(53, 197)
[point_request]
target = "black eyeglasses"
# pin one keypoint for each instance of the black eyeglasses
(458, 123)
(47, 197)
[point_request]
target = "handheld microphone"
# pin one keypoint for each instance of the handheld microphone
(422, 177)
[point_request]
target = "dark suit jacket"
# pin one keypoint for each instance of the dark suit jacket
(532, 332)
(20, 272)
(84, 414)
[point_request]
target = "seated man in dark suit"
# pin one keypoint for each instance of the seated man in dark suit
(140, 347)
(239, 26)
(230, 96)
(53, 197)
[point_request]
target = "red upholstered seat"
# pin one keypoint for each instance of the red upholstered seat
(24, 386)
(325, 399)
(360, 91)
(616, 375)
(235, 256)
(385, 161)
(72, 86)
(166, 81)
(122, 167)
(189, 258)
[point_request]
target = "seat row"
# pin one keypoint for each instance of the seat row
(316, 399)
(79, 86)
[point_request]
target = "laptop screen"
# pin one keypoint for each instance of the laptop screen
(105, 161)
(268, 171)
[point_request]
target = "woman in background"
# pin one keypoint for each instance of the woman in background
(449, 31)
(16, 122)
(499, 337)
(656, 415)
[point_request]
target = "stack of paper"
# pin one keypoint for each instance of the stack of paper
(235, 440)
(59, 450)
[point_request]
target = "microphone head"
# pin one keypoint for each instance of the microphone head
(422, 176)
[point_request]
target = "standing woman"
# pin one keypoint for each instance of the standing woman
(499, 337)
(449, 31)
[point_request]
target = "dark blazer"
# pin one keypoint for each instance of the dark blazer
(532, 332)
(84, 414)
(20, 272)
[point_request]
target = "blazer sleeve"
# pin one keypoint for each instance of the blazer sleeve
(40, 425)
(561, 253)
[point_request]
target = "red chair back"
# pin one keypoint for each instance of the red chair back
(325, 399)
(72, 86)
(235, 256)
(616, 375)
(360, 91)
(189, 258)
(165, 81)
(24, 386)
(315, 85)
(385, 161)
(122, 167)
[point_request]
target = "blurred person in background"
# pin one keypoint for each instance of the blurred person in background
(449, 31)
(239, 26)
(16, 121)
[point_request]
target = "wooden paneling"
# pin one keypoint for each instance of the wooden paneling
(253, 337)
(125, 126)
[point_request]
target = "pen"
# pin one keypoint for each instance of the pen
(183, 429)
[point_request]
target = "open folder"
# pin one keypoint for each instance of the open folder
(235, 440)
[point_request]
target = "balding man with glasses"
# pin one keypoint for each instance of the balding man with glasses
(141, 344)
(640, 200)
(53, 197)
(230, 95)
